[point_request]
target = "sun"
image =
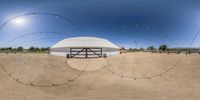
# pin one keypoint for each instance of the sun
(19, 21)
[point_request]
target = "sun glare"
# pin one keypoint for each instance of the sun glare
(19, 21)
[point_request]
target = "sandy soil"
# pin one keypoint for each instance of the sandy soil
(130, 76)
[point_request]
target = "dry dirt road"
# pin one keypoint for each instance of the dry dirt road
(130, 76)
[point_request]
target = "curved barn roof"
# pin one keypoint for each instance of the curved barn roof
(85, 42)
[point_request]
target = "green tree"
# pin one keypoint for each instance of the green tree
(31, 49)
(130, 49)
(14, 49)
(151, 48)
(37, 49)
(20, 49)
(47, 49)
(44, 49)
(163, 47)
(123, 48)
(141, 49)
(9, 48)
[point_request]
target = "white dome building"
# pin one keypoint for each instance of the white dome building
(84, 47)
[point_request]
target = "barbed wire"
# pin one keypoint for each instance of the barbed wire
(34, 14)
(30, 34)
(146, 77)
(156, 29)
(43, 32)
(194, 38)
(52, 84)
(39, 13)
(34, 33)
(112, 28)
(106, 66)
(156, 75)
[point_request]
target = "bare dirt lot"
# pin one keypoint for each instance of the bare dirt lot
(129, 76)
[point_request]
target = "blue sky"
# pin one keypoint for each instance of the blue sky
(120, 21)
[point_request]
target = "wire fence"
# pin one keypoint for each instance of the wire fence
(55, 38)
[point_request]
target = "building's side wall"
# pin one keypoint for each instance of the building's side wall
(63, 54)
(66, 50)
(111, 53)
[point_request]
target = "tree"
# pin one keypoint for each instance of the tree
(14, 49)
(20, 49)
(163, 47)
(9, 48)
(123, 48)
(31, 49)
(44, 49)
(130, 49)
(37, 49)
(141, 49)
(47, 49)
(2, 49)
(151, 48)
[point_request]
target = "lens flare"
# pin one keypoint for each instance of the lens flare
(19, 21)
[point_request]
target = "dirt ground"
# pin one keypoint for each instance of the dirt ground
(129, 76)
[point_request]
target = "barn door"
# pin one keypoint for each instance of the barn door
(85, 52)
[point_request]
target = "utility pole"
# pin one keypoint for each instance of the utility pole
(199, 48)
(135, 44)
